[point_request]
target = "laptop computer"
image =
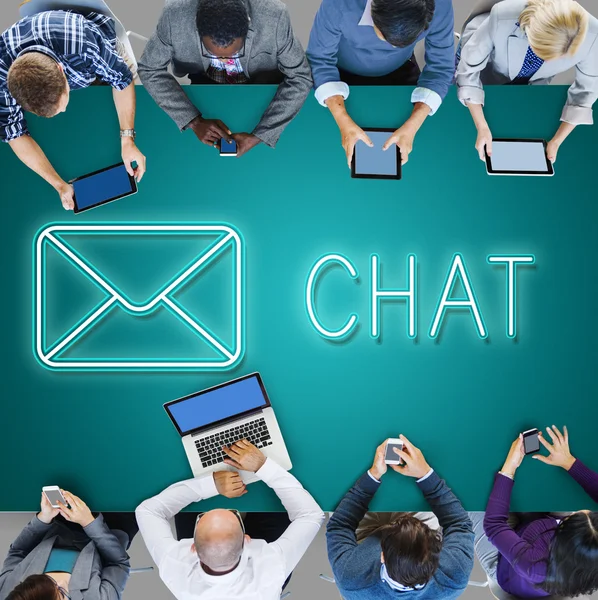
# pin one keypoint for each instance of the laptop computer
(222, 415)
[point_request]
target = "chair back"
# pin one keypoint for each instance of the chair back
(481, 7)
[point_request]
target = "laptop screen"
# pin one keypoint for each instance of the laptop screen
(217, 404)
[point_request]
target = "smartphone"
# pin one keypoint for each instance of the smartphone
(54, 495)
(390, 456)
(531, 441)
(228, 148)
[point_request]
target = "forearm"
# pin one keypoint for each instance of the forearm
(477, 114)
(29, 152)
(336, 106)
(125, 103)
(563, 132)
(27, 540)
(419, 114)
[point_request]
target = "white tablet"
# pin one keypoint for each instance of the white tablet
(519, 157)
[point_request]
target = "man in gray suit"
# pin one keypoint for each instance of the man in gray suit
(226, 41)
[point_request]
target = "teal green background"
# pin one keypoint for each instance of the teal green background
(463, 400)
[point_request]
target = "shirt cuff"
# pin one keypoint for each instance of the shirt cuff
(577, 115)
(425, 476)
(429, 97)
(373, 478)
(332, 88)
(204, 487)
(471, 95)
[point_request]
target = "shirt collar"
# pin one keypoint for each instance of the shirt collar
(42, 49)
(395, 585)
(215, 580)
(366, 18)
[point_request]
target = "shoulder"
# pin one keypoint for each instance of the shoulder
(508, 10)
(180, 9)
(267, 10)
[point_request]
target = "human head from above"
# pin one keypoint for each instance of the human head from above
(38, 83)
(401, 22)
(37, 587)
(222, 27)
(572, 568)
(410, 551)
(554, 28)
(218, 541)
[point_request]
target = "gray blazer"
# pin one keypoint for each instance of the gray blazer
(270, 46)
(493, 49)
(100, 573)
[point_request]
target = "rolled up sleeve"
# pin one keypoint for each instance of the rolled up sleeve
(12, 120)
(584, 91)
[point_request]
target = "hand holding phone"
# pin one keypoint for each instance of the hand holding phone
(49, 509)
(390, 456)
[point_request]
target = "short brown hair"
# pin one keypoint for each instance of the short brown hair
(36, 82)
(35, 587)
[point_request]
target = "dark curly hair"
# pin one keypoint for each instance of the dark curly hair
(222, 20)
(402, 21)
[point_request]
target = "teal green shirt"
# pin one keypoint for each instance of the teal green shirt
(61, 561)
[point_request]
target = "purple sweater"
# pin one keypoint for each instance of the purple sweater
(523, 551)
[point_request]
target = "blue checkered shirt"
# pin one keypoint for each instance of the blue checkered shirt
(85, 46)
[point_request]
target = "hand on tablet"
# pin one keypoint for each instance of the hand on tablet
(67, 195)
(403, 137)
(484, 142)
(350, 135)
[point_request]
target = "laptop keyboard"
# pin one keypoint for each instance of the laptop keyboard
(210, 447)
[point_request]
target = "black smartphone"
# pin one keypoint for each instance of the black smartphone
(531, 441)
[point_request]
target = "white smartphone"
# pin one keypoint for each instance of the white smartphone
(390, 456)
(54, 495)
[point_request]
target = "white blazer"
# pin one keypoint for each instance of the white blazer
(493, 49)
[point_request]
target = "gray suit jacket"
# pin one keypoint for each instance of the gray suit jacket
(100, 573)
(493, 49)
(270, 46)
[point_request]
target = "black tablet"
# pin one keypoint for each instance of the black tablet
(101, 187)
(375, 163)
(519, 157)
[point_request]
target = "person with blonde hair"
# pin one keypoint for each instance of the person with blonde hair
(523, 42)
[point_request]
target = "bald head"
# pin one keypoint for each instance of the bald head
(219, 540)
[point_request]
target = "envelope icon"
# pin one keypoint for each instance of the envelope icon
(210, 246)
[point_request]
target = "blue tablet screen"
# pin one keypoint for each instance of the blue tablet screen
(375, 161)
(102, 187)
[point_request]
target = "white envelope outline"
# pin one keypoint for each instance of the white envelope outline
(229, 236)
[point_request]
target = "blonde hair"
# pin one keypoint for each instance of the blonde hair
(554, 28)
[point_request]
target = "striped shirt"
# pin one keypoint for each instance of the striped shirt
(85, 46)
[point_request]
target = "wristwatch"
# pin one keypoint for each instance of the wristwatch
(130, 133)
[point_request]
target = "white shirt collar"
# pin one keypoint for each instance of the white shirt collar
(395, 585)
(366, 18)
(215, 580)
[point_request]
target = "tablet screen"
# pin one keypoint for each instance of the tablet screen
(375, 162)
(519, 157)
(101, 187)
